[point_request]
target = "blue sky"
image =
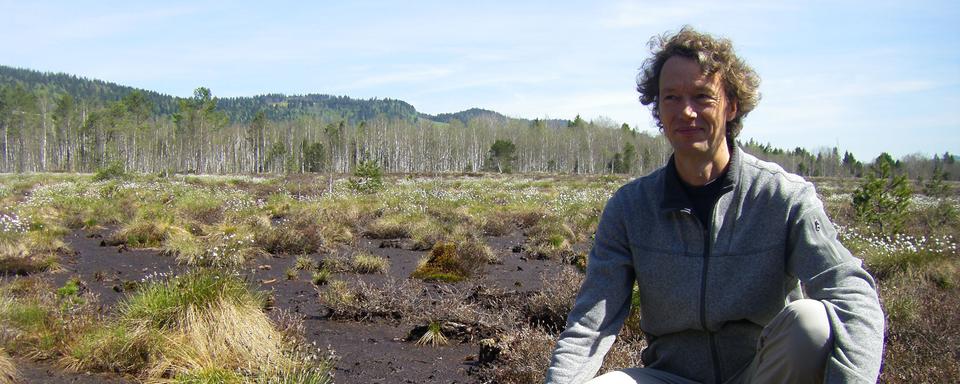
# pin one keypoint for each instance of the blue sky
(867, 76)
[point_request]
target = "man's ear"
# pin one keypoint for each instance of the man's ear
(731, 109)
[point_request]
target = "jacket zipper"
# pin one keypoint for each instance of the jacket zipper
(714, 353)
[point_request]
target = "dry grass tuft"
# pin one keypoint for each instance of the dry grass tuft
(433, 336)
(141, 234)
(548, 308)
(8, 370)
(227, 336)
(523, 357)
(364, 262)
(497, 224)
(18, 259)
(392, 227)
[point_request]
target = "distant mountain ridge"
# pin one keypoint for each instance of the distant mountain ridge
(242, 109)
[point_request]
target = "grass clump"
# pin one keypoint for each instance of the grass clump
(364, 262)
(142, 233)
(19, 260)
(113, 348)
(8, 370)
(320, 277)
(433, 335)
(37, 321)
(548, 307)
(203, 326)
(300, 233)
(443, 264)
(523, 356)
(304, 263)
(391, 227)
(164, 304)
(551, 239)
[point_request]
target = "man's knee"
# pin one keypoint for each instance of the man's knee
(807, 327)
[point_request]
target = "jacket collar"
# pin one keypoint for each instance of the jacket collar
(675, 197)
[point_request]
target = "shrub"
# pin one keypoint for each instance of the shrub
(364, 262)
(113, 170)
(183, 244)
(367, 177)
(497, 224)
(338, 297)
(882, 200)
(335, 262)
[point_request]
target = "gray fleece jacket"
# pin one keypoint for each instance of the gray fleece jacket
(708, 289)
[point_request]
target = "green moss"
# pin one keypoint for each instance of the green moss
(443, 264)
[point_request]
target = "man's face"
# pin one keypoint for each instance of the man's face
(694, 110)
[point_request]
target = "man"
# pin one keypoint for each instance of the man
(739, 271)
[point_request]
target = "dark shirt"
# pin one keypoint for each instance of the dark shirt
(705, 197)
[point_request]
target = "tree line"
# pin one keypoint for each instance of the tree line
(60, 123)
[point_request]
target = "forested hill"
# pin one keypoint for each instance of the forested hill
(94, 92)
(278, 107)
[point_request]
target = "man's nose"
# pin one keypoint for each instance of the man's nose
(687, 109)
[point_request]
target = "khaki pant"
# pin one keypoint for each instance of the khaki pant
(793, 348)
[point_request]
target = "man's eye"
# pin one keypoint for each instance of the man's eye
(669, 97)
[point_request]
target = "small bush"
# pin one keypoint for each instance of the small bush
(367, 177)
(882, 200)
(367, 263)
(300, 233)
(339, 297)
(552, 240)
(292, 273)
(113, 170)
(335, 262)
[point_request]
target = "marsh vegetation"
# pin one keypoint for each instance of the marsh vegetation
(429, 279)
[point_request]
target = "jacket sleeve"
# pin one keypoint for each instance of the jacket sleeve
(830, 274)
(602, 304)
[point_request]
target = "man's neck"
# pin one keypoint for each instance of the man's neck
(700, 170)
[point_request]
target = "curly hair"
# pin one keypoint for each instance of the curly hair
(715, 55)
